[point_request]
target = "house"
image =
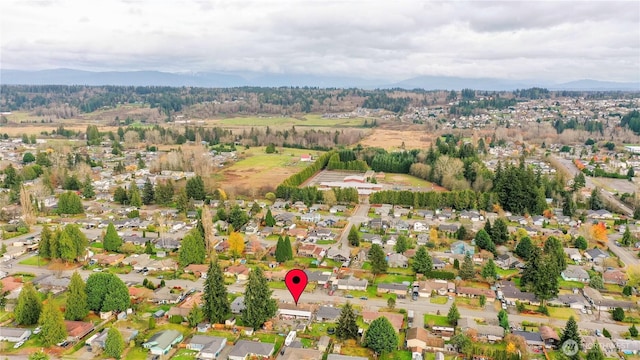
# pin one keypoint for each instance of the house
(607, 345)
(240, 272)
(397, 260)
(199, 270)
(575, 273)
(614, 276)
(51, 283)
(511, 293)
(462, 248)
(595, 255)
(237, 305)
(448, 228)
(321, 278)
(437, 264)
(419, 339)
(531, 338)
(395, 319)
(328, 314)
(161, 342)
(352, 283)
(420, 227)
(209, 347)
(506, 261)
(490, 333)
(475, 292)
(76, 330)
(312, 217)
(98, 340)
(243, 349)
(573, 254)
(293, 311)
(629, 347)
(14, 335)
(291, 353)
(428, 287)
(549, 336)
(164, 295)
(394, 288)
(339, 255)
(574, 301)
(108, 259)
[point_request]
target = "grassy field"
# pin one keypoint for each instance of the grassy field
(184, 354)
(137, 353)
(407, 180)
(561, 312)
(570, 284)
(256, 168)
(307, 120)
(34, 261)
(436, 320)
(438, 300)
(393, 278)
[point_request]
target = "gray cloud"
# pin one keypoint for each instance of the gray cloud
(393, 40)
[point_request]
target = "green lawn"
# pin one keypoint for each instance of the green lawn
(317, 330)
(184, 354)
(394, 278)
(561, 312)
(34, 261)
(507, 273)
(439, 300)
(96, 245)
(366, 265)
(137, 353)
(407, 180)
(397, 355)
(570, 284)
(325, 242)
(277, 285)
(436, 320)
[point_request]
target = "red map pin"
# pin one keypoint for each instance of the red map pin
(296, 280)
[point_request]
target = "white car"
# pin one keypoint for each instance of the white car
(18, 344)
(37, 330)
(504, 306)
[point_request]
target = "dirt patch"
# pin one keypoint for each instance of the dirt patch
(393, 139)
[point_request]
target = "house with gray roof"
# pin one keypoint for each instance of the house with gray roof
(245, 348)
(575, 273)
(209, 347)
(596, 255)
(14, 335)
(161, 342)
(237, 305)
(328, 314)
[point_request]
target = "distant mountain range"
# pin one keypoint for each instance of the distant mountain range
(157, 78)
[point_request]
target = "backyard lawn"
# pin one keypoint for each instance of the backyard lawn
(34, 261)
(435, 320)
(439, 300)
(184, 354)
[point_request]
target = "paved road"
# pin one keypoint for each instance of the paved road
(596, 182)
(358, 217)
(627, 257)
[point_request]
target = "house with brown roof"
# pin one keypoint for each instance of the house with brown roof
(240, 272)
(475, 292)
(140, 293)
(419, 340)
(297, 233)
(614, 276)
(199, 270)
(549, 336)
(11, 284)
(427, 287)
(108, 259)
(76, 330)
(395, 319)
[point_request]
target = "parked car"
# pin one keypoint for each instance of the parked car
(18, 344)
(331, 331)
(349, 296)
(37, 330)
(364, 298)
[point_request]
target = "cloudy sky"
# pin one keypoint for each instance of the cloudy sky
(384, 39)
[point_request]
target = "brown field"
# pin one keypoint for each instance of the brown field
(393, 139)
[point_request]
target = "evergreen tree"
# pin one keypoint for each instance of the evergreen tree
(595, 202)
(120, 196)
(453, 315)
(112, 241)
(164, 192)
(288, 250)
(524, 248)
(114, 343)
(483, 240)
(28, 306)
(503, 319)
(489, 271)
(595, 353)
(44, 246)
(69, 203)
(77, 308)
(581, 243)
(627, 238)
(215, 302)
(553, 248)
(347, 328)
(633, 331)
(618, 314)
(196, 315)
(571, 333)
(568, 205)
(596, 281)
(88, 191)
(106, 292)
(259, 306)
(134, 195)
(378, 260)
(269, 220)
(39, 355)
(280, 254)
(193, 250)
(52, 324)
(148, 192)
(461, 233)
(466, 269)
(237, 217)
(381, 337)
(195, 189)
(422, 262)
(402, 244)
(148, 248)
(353, 237)
(487, 227)
(499, 232)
